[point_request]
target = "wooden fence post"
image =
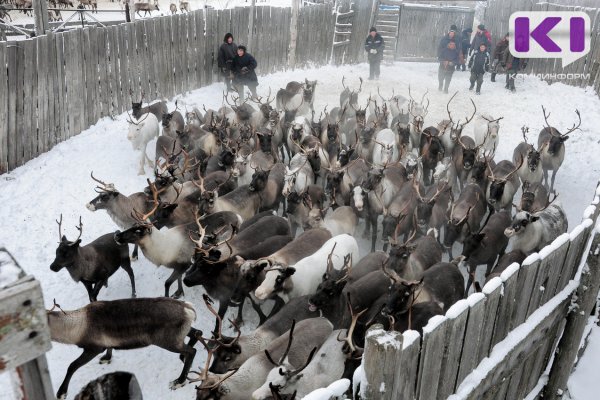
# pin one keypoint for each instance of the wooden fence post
(251, 26)
(293, 34)
(380, 360)
(568, 347)
(40, 16)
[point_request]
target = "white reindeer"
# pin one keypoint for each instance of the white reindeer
(141, 132)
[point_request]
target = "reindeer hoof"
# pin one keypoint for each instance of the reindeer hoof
(177, 294)
(105, 360)
(238, 322)
(133, 258)
(176, 385)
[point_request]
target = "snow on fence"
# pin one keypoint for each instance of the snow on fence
(583, 72)
(495, 344)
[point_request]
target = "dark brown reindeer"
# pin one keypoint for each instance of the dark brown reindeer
(159, 108)
(126, 324)
(93, 263)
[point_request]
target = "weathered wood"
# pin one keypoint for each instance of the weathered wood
(492, 291)
(454, 343)
(30, 104)
(35, 379)
(4, 115)
(382, 351)
(431, 352)
(507, 303)
(407, 367)
(555, 260)
(508, 356)
(527, 276)
(468, 358)
(20, 133)
(61, 134)
(25, 333)
(40, 16)
(568, 346)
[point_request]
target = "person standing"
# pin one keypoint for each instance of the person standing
(481, 36)
(227, 53)
(513, 65)
(243, 67)
(465, 44)
(451, 36)
(501, 46)
(448, 58)
(479, 63)
(374, 46)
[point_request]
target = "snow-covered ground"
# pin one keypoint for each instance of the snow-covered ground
(34, 195)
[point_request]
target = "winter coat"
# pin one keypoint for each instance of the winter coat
(513, 63)
(245, 77)
(227, 53)
(374, 43)
(465, 42)
(480, 38)
(499, 49)
(480, 62)
(444, 44)
(449, 58)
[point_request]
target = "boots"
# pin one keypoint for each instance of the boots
(493, 77)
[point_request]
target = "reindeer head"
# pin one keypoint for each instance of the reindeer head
(106, 194)
(401, 294)
(331, 286)
(259, 181)
(557, 140)
(67, 250)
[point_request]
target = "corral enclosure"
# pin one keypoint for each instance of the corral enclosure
(91, 76)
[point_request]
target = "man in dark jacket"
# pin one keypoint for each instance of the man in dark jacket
(479, 63)
(227, 53)
(451, 36)
(513, 65)
(374, 46)
(448, 61)
(243, 67)
(481, 36)
(501, 46)
(465, 44)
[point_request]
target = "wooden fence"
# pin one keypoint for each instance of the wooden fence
(492, 345)
(497, 14)
(57, 85)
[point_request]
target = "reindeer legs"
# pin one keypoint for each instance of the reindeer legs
(106, 358)
(87, 356)
(178, 271)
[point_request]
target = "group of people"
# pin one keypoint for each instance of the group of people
(237, 65)
(453, 51)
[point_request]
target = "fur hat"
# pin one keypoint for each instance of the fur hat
(373, 29)
(481, 27)
(242, 47)
(454, 28)
(227, 36)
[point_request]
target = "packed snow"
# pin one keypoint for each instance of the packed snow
(34, 195)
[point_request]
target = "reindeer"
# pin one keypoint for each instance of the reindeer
(553, 144)
(126, 324)
(146, 7)
(530, 171)
(141, 132)
(418, 112)
(486, 132)
(534, 197)
(93, 263)
(184, 6)
(450, 130)
(432, 211)
(503, 185)
(118, 206)
(173, 8)
(349, 97)
(158, 109)
(465, 215)
(93, 4)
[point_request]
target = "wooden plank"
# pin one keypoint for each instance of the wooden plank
(453, 346)
(39, 127)
(515, 381)
(126, 84)
(52, 90)
(19, 114)
(382, 351)
(176, 55)
(88, 80)
(141, 62)
(556, 261)
(507, 303)
(25, 332)
(103, 67)
(434, 334)
(4, 116)
(408, 366)
(493, 291)
(201, 40)
(61, 89)
(468, 359)
(527, 276)
(30, 103)
(117, 106)
(71, 82)
(579, 238)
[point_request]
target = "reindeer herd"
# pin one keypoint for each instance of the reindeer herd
(232, 187)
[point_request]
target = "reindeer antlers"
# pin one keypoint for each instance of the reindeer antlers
(287, 349)
(106, 187)
(79, 228)
(219, 335)
(350, 347)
